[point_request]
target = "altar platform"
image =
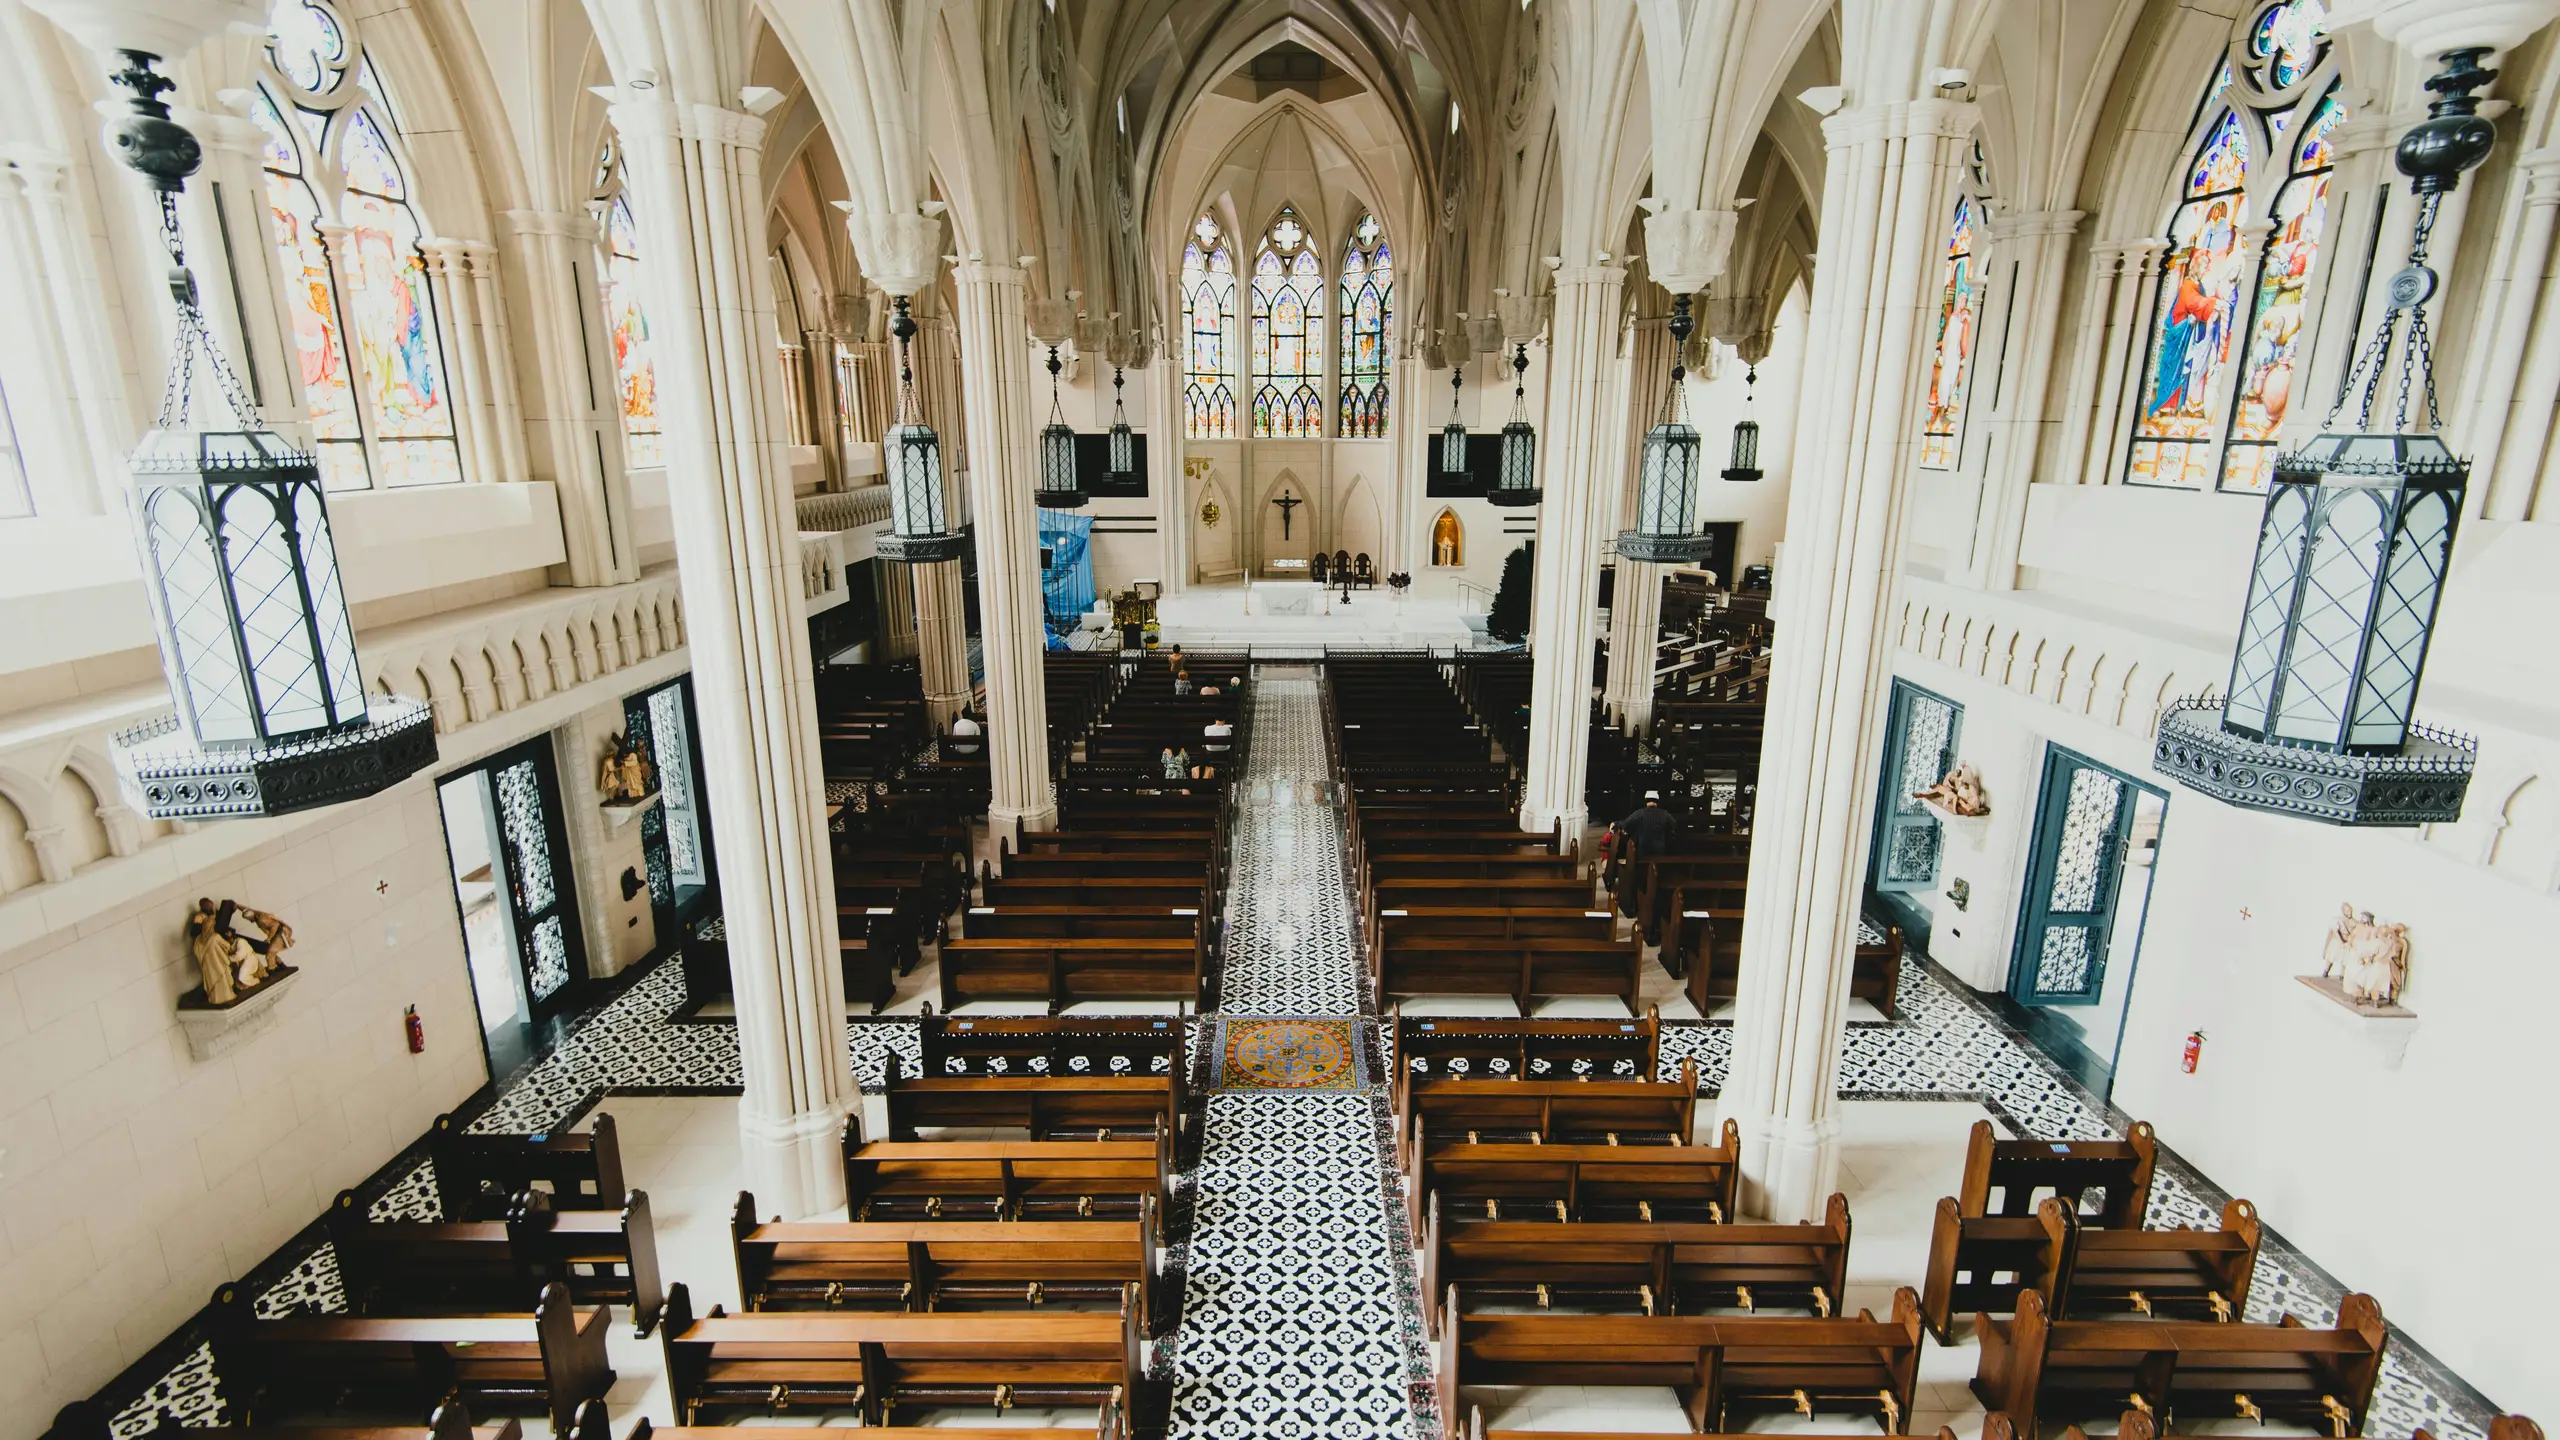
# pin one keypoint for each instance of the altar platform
(1298, 612)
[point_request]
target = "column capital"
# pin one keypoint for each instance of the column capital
(1590, 275)
(39, 168)
(899, 249)
(1929, 117)
(1687, 248)
(979, 272)
(2035, 224)
(567, 224)
(711, 124)
(2542, 175)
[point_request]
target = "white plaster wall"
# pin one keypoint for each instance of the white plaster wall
(1716, 405)
(133, 1178)
(619, 932)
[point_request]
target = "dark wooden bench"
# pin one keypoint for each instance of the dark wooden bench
(479, 1176)
(1064, 971)
(547, 1363)
(2034, 1368)
(1982, 1264)
(1108, 1426)
(1704, 948)
(770, 1363)
(1004, 1179)
(2107, 1181)
(2134, 1425)
(1552, 1112)
(1519, 969)
(89, 1420)
(940, 1265)
(1454, 1047)
(1409, 865)
(1116, 892)
(1125, 1105)
(1665, 1266)
(1066, 1045)
(1581, 1182)
(412, 1267)
(1720, 1366)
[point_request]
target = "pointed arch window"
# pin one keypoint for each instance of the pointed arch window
(1288, 323)
(1951, 369)
(1368, 314)
(2231, 316)
(1208, 311)
(367, 337)
(626, 322)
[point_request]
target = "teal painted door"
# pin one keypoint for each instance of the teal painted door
(2084, 820)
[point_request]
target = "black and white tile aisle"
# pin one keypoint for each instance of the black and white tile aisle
(1296, 1318)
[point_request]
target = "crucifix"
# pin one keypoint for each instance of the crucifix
(1287, 503)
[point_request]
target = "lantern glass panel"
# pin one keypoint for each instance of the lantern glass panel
(1667, 485)
(2255, 660)
(2343, 567)
(1746, 445)
(915, 494)
(2402, 618)
(1519, 457)
(266, 594)
(338, 668)
(1453, 448)
(1057, 458)
(1124, 451)
(203, 666)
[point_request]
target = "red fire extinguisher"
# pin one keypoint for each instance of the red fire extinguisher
(2195, 1049)
(417, 1029)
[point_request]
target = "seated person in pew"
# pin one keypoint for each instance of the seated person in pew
(1647, 831)
(968, 737)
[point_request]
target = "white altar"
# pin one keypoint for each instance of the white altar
(1287, 597)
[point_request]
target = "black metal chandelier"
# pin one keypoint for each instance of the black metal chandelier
(1516, 481)
(1667, 470)
(920, 529)
(1060, 487)
(2353, 549)
(272, 713)
(1121, 453)
(1744, 463)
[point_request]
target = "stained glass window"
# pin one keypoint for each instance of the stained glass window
(1952, 365)
(626, 324)
(1368, 312)
(1288, 321)
(366, 338)
(2230, 315)
(1209, 309)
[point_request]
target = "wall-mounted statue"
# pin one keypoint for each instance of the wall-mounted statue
(1959, 791)
(2368, 958)
(624, 776)
(234, 965)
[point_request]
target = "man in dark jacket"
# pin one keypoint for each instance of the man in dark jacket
(1649, 831)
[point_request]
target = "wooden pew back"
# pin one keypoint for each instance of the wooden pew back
(2023, 1172)
(477, 1175)
(1000, 1179)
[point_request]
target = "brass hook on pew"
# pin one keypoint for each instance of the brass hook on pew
(2247, 1411)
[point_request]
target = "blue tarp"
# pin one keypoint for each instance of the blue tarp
(1066, 577)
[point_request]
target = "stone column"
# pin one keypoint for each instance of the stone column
(995, 388)
(2519, 382)
(941, 638)
(2040, 243)
(2118, 391)
(1891, 172)
(696, 172)
(1635, 605)
(1581, 343)
(563, 428)
(897, 613)
(64, 396)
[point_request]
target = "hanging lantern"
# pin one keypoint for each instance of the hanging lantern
(1123, 449)
(1667, 470)
(2353, 549)
(272, 714)
(1059, 487)
(1517, 483)
(1745, 461)
(1453, 436)
(920, 531)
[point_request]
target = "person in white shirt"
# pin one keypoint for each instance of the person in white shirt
(965, 735)
(1216, 738)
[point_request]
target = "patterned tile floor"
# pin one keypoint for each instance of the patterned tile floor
(1299, 1314)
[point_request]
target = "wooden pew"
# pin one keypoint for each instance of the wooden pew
(1114, 891)
(2035, 1368)
(1519, 970)
(1062, 972)
(1704, 947)
(1449, 1047)
(478, 1176)
(89, 1420)
(1124, 1105)
(547, 1363)
(1004, 1179)
(2083, 1272)
(1665, 1266)
(1721, 1366)
(411, 1267)
(1582, 1182)
(1107, 1427)
(2023, 1172)
(1476, 1431)
(943, 1265)
(769, 1363)
(1064, 1046)
(2134, 1425)
(1553, 1112)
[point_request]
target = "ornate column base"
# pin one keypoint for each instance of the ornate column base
(795, 1163)
(1789, 1167)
